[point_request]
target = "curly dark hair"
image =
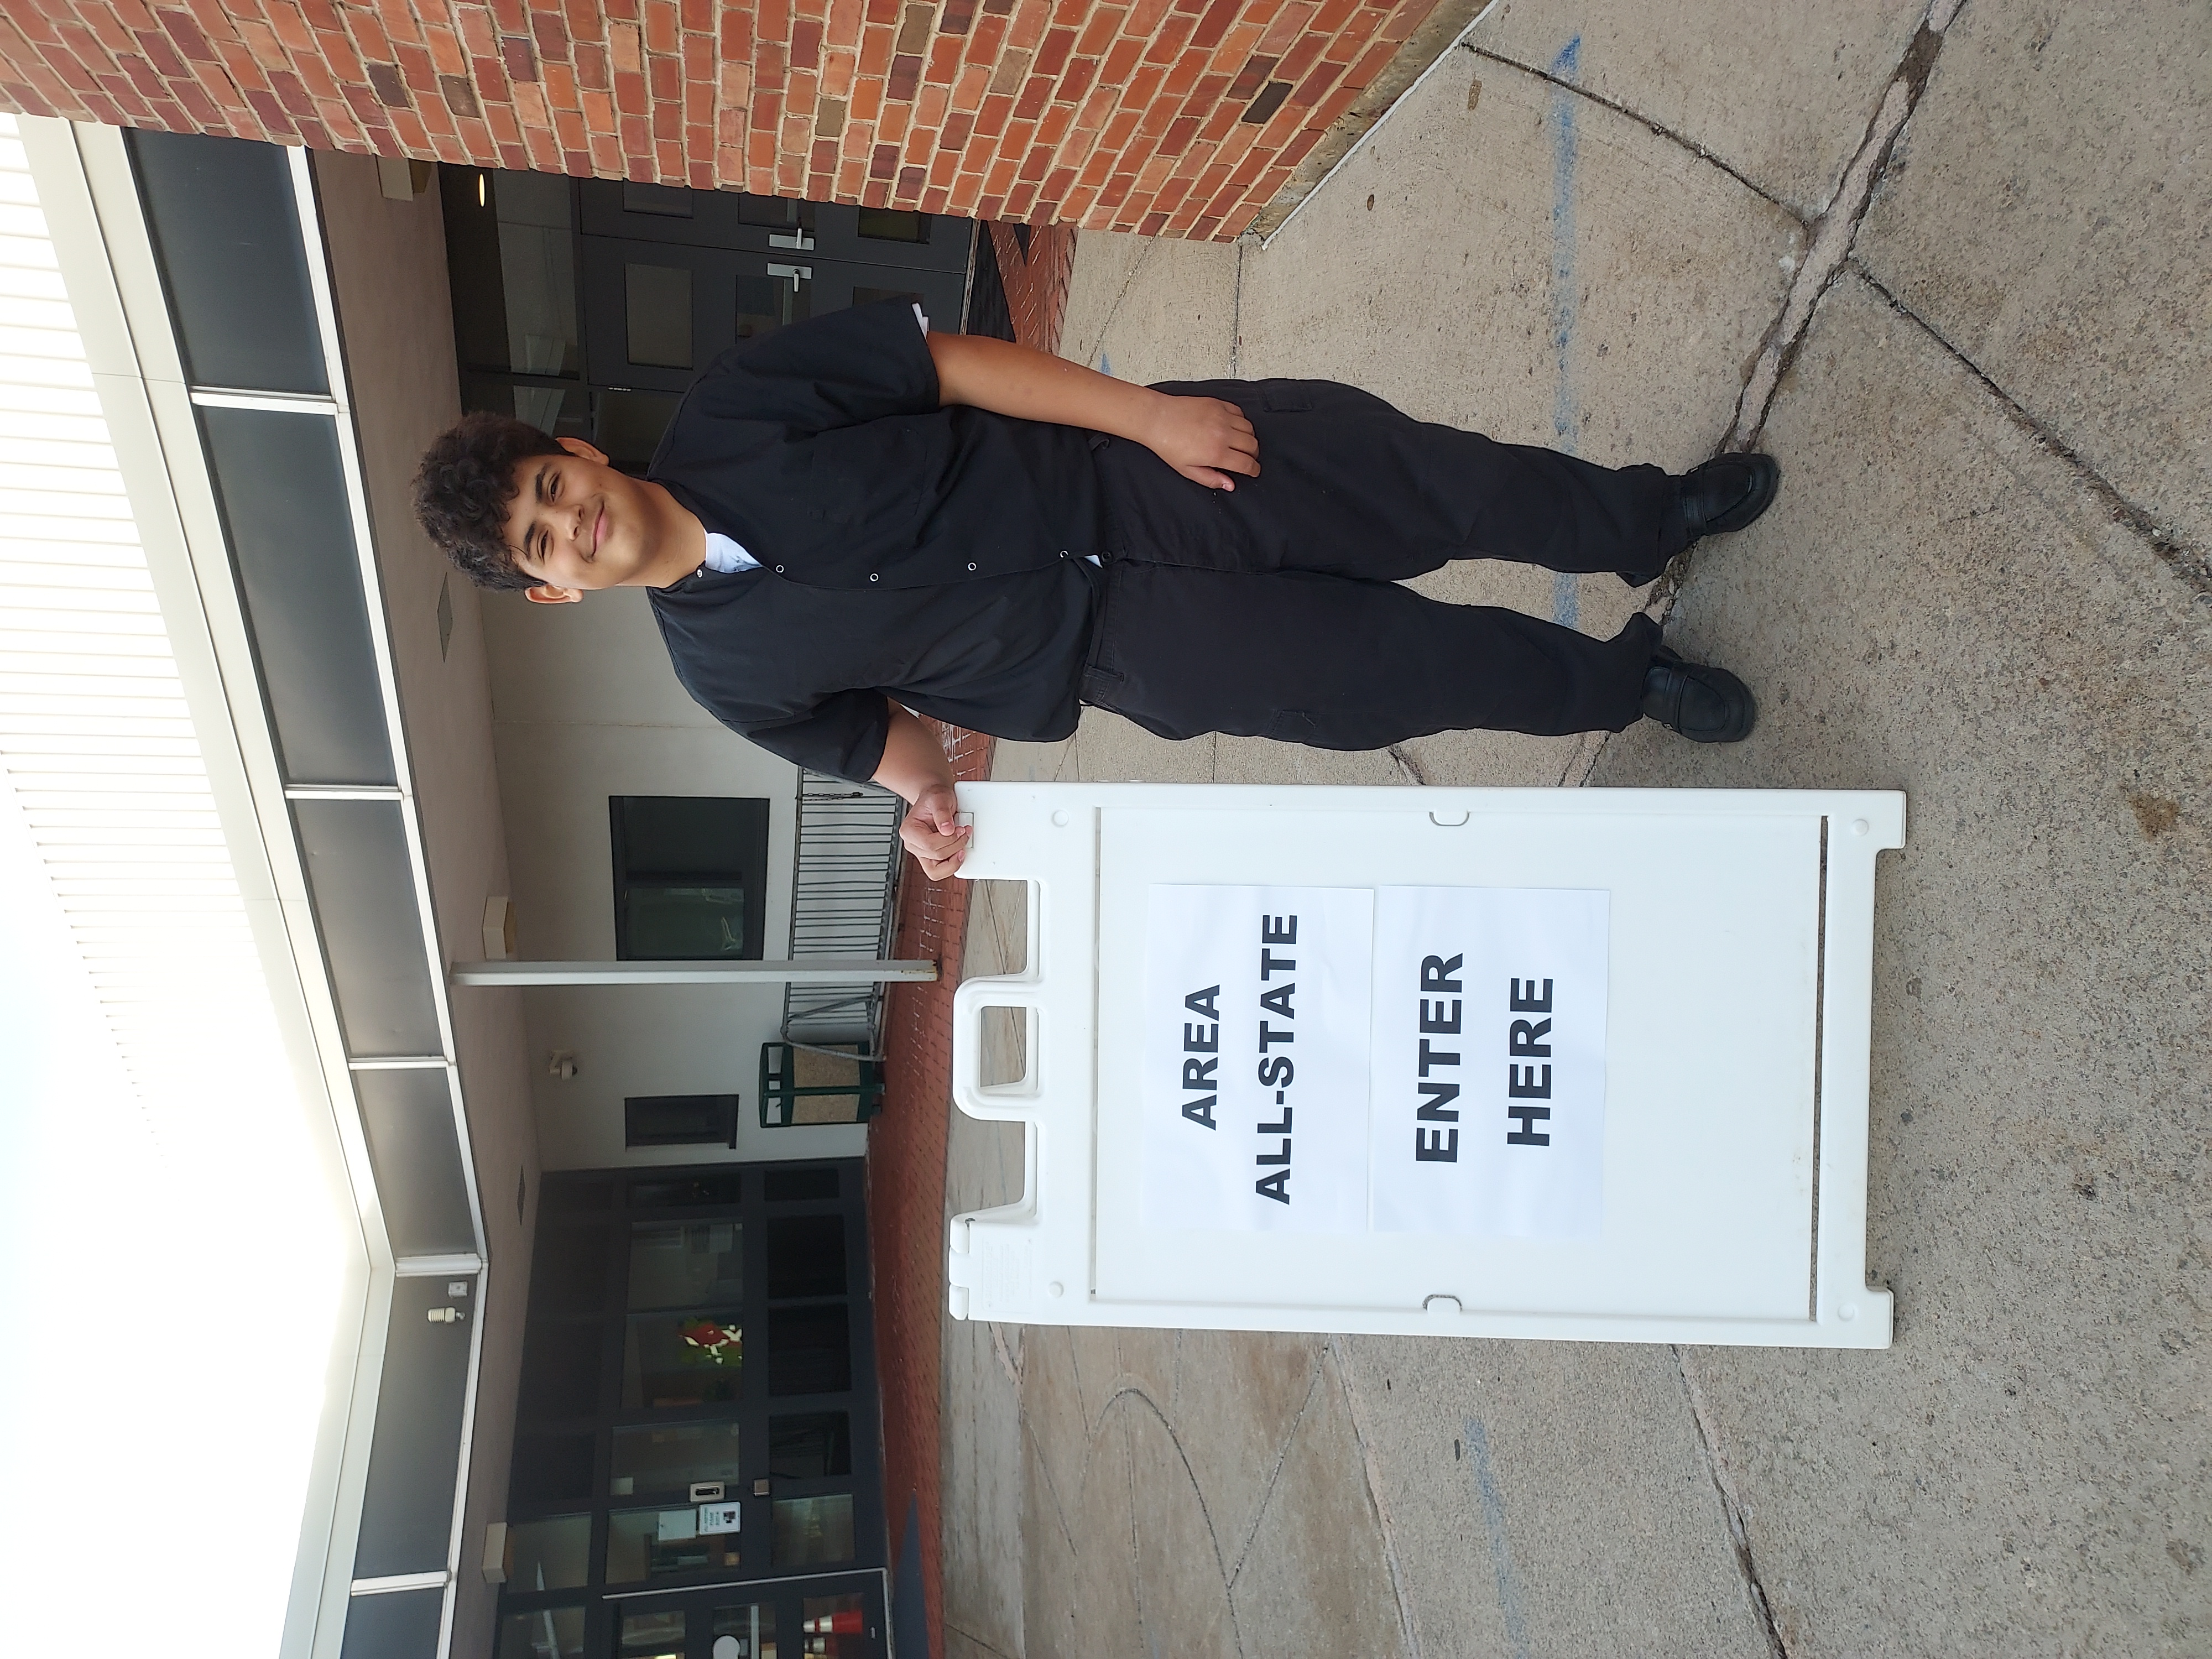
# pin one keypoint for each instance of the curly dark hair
(462, 489)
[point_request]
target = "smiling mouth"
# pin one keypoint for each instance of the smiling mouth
(598, 527)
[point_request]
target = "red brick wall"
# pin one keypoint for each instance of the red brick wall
(906, 1197)
(1036, 281)
(1120, 114)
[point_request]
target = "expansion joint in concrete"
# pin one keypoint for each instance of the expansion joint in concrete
(1732, 1512)
(1659, 129)
(2193, 565)
(1409, 1635)
(1831, 235)
(1236, 318)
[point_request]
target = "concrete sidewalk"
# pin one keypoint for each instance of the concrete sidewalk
(1951, 270)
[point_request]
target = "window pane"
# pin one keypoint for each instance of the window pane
(894, 225)
(793, 1186)
(686, 1264)
(703, 839)
(806, 1256)
(227, 233)
(680, 1120)
(767, 303)
(629, 424)
(562, 1194)
(683, 1359)
(538, 269)
(688, 871)
(666, 1461)
(559, 411)
(813, 1531)
(364, 889)
(776, 213)
(510, 251)
(685, 924)
(655, 1635)
(665, 201)
(815, 1447)
(745, 1632)
(841, 1623)
(399, 1625)
(409, 1119)
(407, 1509)
(549, 1633)
(658, 305)
(685, 1192)
(282, 494)
(553, 1554)
(644, 1544)
(809, 1351)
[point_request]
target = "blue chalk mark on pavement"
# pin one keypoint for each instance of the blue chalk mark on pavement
(1566, 594)
(1104, 368)
(1493, 1523)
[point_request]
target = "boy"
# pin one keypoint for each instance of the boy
(853, 517)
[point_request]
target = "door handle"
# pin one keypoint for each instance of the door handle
(798, 239)
(797, 273)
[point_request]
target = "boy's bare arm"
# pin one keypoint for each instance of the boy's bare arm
(914, 768)
(1204, 439)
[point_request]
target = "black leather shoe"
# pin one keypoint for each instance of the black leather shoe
(1726, 493)
(1703, 704)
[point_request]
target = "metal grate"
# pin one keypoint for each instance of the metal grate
(844, 900)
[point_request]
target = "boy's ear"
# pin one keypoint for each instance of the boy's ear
(546, 593)
(578, 447)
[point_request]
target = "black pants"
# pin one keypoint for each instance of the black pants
(1274, 611)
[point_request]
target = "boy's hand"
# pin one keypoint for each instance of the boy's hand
(929, 833)
(1205, 439)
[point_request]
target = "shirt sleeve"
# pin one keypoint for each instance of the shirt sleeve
(863, 363)
(842, 735)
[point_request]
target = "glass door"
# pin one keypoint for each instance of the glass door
(695, 1429)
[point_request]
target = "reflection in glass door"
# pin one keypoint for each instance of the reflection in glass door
(835, 1616)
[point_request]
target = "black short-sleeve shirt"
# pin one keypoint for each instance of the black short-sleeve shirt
(935, 555)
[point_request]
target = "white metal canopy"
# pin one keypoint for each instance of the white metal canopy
(1735, 1072)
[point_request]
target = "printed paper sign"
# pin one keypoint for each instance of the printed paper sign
(1256, 1004)
(1487, 1114)
(1328, 1059)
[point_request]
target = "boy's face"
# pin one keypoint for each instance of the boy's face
(576, 524)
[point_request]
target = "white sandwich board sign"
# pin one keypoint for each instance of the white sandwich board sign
(1586, 1064)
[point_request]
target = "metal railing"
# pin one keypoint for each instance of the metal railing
(844, 903)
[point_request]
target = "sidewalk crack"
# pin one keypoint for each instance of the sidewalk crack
(1282, 1457)
(1830, 237)
(2192, 564)
(1732, 1510)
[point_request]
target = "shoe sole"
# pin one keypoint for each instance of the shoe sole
(1765, 480)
